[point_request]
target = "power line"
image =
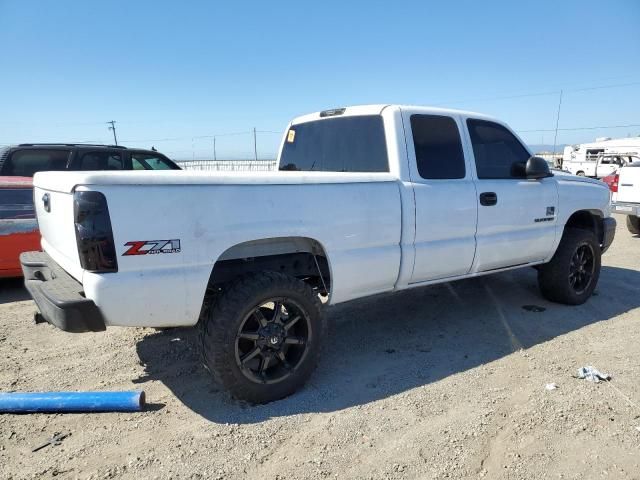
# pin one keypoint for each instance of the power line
(171, 139)
(539, 94)
(604, 86)
(568, 129)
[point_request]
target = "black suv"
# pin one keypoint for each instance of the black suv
(28, 158)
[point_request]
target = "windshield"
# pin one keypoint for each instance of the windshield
(148, 161)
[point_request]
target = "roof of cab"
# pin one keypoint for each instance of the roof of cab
(377, 109)
(82, 146)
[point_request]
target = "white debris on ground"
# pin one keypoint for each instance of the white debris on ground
(591, 374)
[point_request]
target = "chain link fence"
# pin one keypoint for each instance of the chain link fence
(230, 165)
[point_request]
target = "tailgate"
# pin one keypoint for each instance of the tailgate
(629, 184)
(54, 210)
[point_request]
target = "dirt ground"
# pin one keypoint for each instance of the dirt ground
(440, 382)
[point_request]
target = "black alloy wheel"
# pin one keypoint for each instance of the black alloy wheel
(272, 340)
(582, 268)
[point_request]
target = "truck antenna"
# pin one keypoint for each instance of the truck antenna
(555, 136)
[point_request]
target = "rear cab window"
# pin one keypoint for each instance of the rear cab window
(341, 144)
(26, 162)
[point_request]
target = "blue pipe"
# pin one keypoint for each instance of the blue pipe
(71, 402)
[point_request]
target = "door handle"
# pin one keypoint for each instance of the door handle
(488, 198)
(46, 201)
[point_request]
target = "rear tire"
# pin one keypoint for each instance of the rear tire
(580, 173)
(572, 274)
(633, 224)
(261, 339)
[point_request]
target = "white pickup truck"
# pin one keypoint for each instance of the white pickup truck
(368, 199)
(627, 200)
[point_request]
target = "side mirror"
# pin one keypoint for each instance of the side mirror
(537, 168)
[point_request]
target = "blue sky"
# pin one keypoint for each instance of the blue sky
(168, 72)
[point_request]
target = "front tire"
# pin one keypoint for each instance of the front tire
(261, 339)
(633, 224)
(572, 274)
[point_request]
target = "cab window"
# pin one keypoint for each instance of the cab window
(438, 148)
(498, 153)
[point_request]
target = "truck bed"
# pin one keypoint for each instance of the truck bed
(357, 219)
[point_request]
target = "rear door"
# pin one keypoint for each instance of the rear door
(89, 160)
(517, 217)
(445, 196)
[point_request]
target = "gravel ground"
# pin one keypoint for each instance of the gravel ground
(440, 382)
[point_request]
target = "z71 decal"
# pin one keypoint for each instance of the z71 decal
(144, 247)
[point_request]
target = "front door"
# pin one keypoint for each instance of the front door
(445, 197)
(517, 218)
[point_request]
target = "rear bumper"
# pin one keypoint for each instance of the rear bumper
(626, 208)
(609, 232)
(58, 295)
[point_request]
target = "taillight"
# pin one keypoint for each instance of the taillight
(94, 236)
(612, 181)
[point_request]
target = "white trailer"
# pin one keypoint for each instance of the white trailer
(600, 158)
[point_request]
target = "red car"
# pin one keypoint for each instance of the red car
(18, 227)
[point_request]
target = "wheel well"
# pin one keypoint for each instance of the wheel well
(299, 257)
(587, 220)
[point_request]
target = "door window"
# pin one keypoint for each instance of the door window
(438, 148)
(101, 161)
(497, 152)
(25, 163)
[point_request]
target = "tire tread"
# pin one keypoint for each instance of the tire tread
(214, 331)
(552, 276)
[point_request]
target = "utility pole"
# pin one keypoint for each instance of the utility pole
(255, 145)
(113, 128)
(215, 158)
(555, 136)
